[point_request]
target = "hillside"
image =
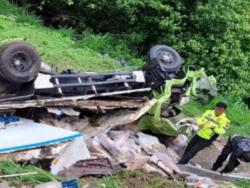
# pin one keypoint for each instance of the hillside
(56, 47)
(66, 49)
(60, 49)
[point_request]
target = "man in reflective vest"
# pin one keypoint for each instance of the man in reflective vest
(238, 147)
(212, 124)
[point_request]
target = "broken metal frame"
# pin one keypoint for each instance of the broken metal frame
(80, 86)
(88, 83)
(76, 101)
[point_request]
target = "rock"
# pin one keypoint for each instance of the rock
(153, 169)
(49, 185)
(75, 151)
(194, 181)
(97, 150)
(90, 167)
(148, 142)
(179, 142)
(137, 163)
(5, 185)
(89, 186)
(168, 162)
(26, 186)
(191, 179)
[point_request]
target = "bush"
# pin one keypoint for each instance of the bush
(213, 34)
(110, 45)
(217, 38)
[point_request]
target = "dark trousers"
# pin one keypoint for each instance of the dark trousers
(233, 160)
(194, 146)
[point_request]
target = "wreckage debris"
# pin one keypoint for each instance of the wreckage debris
(113, 140)
(195, 181)
(129, 148)
(90, 167)
(76, 150)
(103, 148)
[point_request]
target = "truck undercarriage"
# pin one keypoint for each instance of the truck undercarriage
(26, 83)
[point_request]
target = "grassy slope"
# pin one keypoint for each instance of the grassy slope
(55, 46)
(134, 179)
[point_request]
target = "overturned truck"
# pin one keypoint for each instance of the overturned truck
(27, 83)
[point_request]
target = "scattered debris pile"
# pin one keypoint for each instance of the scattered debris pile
(72, 145)
(93, 124)
(134, 151)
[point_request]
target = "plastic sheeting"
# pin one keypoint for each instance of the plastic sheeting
(26, 134)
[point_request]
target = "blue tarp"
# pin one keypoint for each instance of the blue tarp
(26, 134)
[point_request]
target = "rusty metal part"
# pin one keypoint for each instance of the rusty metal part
(90, 167)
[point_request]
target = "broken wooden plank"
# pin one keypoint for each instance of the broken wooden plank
(72, 102)
(123, 117)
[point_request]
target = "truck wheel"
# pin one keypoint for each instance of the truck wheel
(169, 60)
(19, 62)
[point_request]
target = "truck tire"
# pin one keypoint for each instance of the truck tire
(19, 62)
(168, 59)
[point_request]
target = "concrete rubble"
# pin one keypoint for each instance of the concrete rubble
(112, 142)
(90, 167)
(134, 151)
(49, 185)
(195, 181)
(74, 152)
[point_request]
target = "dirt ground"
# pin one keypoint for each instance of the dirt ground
(207, 157)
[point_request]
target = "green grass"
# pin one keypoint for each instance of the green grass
(109, 182)
(137, 179)
(10, 168)
(237, 112)
(57, 47)
(111, 45)
(242, 184)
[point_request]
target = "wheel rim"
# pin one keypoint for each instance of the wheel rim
(165, 57)
(20, 62)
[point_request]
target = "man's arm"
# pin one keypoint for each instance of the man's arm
(202, 120)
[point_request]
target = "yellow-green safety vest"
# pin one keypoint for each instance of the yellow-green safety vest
(211, 124)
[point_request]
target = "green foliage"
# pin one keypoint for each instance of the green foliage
(55, 46)
(138, 179)
(213, 34)
(217, 37)
(39, 176)
(19, 15)
(109, 182)
(140, 23)
(242, 184)
(112, 46)
(237, 112)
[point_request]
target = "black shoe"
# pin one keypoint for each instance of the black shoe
(214, 169)
(181, 163)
